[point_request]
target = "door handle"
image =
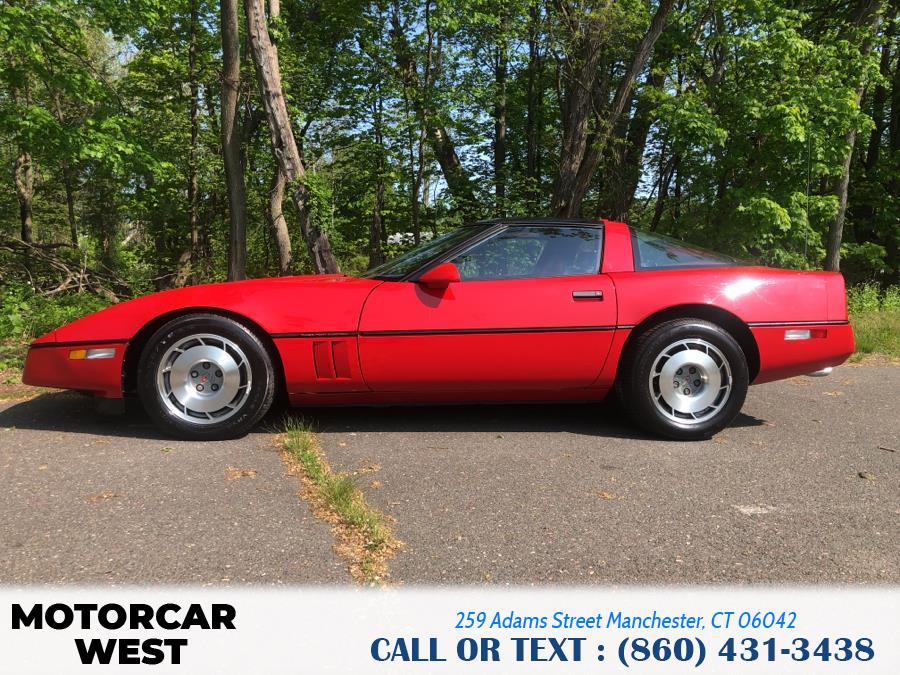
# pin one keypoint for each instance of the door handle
(587, 295)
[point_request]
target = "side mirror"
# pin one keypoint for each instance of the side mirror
(440, 277)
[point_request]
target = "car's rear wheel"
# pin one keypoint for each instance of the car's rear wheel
(684, 379)
(205, 377)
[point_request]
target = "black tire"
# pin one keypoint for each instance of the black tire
(650, 408)
(249, 375)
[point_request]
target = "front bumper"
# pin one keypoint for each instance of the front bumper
(49, 364)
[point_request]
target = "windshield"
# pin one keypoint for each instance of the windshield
(401, 266)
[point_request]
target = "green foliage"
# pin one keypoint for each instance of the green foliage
(869, 297)
(747, 116)
(759, 151)
(863, 298)
(25, 315)
(890, 300)
(867, 260)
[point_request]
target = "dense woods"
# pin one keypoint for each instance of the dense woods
(156, 143)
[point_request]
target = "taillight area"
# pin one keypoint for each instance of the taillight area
(836, 297)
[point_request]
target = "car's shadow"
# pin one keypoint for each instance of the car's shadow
(75, 413)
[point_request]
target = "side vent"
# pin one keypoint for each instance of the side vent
(332, 359)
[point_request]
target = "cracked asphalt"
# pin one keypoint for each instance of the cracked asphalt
(803, 488)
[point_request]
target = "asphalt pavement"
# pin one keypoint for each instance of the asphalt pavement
(109, 500)
(799, 490)
(803, 488)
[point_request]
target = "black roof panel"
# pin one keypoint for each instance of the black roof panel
(539, 221)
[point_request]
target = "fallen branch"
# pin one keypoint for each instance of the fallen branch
(51, 274)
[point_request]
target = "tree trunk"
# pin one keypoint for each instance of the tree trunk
(459, 183)
(576, 118)
(894, 126)
(868, 19)
(458, 180)
(418, 183)
(231, 141)
(24, 177)
(278, 223)
(104, 216)
(416, 141)
(576, 185)
(611, 173)
(192, 187)
(284, 145)
(500, 73)
(69, 184)
(275, 207)
(532, 119)
(676, 208)
(182, 272)
(68, 177)
(376, 255)
(624, 188)
(894, 129)
(666, 172)
(879, 99)
(836, 230)
(580, 158)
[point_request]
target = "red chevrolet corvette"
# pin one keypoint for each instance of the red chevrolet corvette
(523, 310)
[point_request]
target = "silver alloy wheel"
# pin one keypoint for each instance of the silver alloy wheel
(690, 381)
(204, 378)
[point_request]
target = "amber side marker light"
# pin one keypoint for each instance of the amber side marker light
(91, 354)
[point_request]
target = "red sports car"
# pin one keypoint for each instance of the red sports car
(520, 310)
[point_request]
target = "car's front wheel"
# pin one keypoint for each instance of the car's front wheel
(684, 379)
(205, 377)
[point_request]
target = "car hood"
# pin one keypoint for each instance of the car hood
(297, 304)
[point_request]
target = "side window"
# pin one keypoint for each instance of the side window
(655, 251)
(533, 252)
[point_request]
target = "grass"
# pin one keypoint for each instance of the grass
(875, 316)
(877, 333)
(365, 537)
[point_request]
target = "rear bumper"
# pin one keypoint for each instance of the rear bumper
(48, 364)
(830, 344)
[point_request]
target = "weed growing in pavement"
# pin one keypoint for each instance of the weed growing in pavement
(365, 536)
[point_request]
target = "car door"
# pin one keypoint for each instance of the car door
(530, 312)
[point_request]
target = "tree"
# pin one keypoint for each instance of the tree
(275, 211)
(192, 186)
(284, 145)
(583, 146)
(231, 141)
(24, 177)
(376, 231)
(419, 89)
(867, 19)
(534, 108)
(767, 130)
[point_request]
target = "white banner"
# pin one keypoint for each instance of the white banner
(459, 630)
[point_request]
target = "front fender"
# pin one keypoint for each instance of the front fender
(328, 303)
